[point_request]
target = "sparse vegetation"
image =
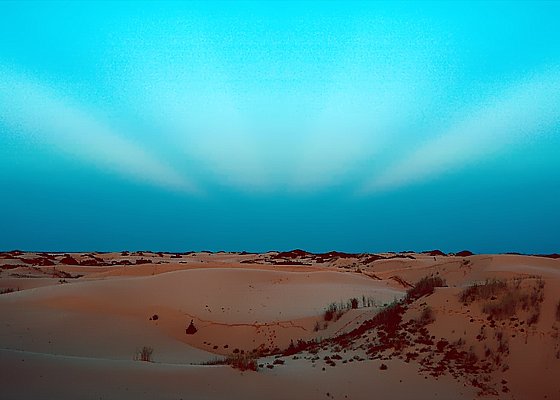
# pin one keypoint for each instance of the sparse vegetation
(482, 291)
(243, 362)
(503, 299)
(333, 312)
(424, 287)
(354, 303)
(8, 290)
(390, 316)
(317, 327)
(427, 316)
(336, 310)
(558, 311)
(503, 308)
(144, 354)
(533, 318)
(238, 360)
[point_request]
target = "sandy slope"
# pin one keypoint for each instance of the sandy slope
(34, 375)
(246, 306)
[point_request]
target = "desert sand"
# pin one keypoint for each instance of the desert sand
(314, 326)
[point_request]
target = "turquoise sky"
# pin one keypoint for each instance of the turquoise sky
(254, 126)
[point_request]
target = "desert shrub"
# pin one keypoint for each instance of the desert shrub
(7, 290)
(330, 312)
(144, 354)
(298, 347)
(533, 318)
(424, 287)
(427, 316)
(505, 307)
(505, 300)
(391, 316)
(482, 291)
(558, 311)
(335, 310)
(317, 327)
(243, 362)
(239, 360)
(354, 303)
(537, 294)
(471, 357)
(368, 301)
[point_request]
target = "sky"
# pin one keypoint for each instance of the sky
(359, 127)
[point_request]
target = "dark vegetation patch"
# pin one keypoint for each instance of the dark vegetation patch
(482, 291)
(93, 261)
(434, 253)
(503, 299)
(41, 261)
(121, 262)
(427, 316)
(553, 255)
(387, 336)
(424, 287)
(401, 256)
(69, 260)
(297, 253)
(336, 310)
(144, 354)
(237, 360)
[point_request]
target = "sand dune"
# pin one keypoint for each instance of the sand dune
(83, 325)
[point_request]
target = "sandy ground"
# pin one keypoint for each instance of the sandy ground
(74, 323)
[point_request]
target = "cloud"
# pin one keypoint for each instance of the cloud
(525, 110)
(46, 116)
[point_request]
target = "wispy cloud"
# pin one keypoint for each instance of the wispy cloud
(525, 110)
(44, 115)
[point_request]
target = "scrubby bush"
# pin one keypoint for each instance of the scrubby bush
(317, 327)
(505, 307)
(424, 287)
(242, 362)
(354, 303)
(482, 291)
(391, 316)
(427, 316)
(330, 312)
(503, 300)
(144, 354)
(335, 310)
(533, 318)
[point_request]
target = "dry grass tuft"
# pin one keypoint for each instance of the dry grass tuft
(144, 354)
(482, 291)
(424, 287)
(241, 361)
